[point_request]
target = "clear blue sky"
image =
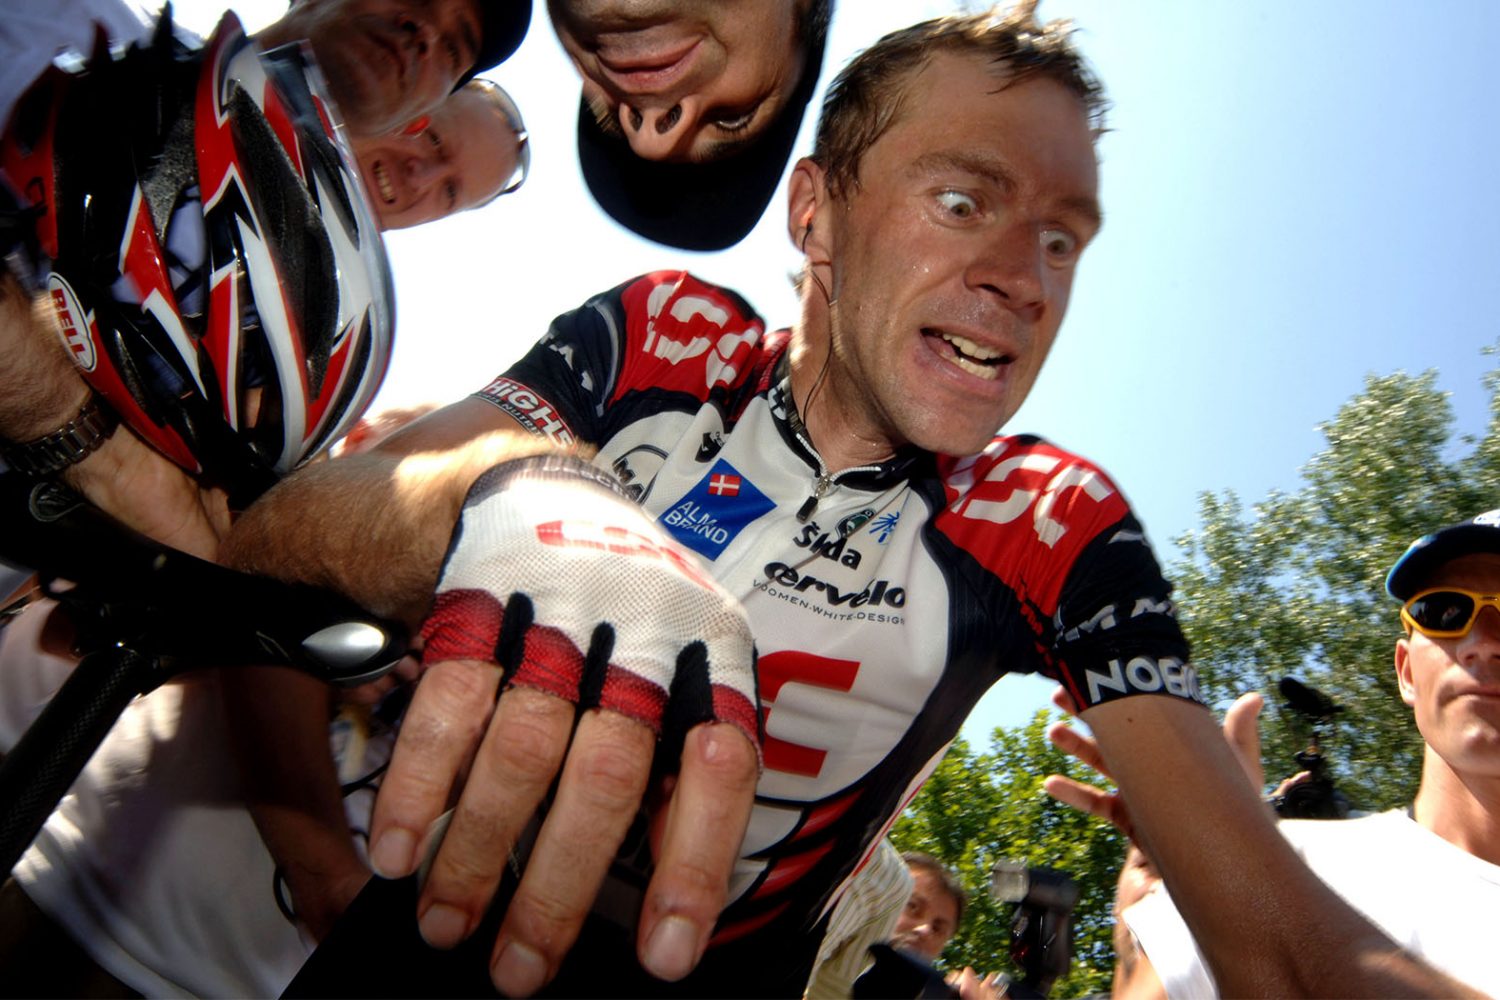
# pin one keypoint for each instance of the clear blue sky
(1296, 194)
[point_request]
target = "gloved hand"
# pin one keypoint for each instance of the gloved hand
(554, 575)
(563, 595)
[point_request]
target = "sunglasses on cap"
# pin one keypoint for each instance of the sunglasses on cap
(1446, 612)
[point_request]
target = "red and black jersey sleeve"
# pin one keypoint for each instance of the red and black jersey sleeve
(1073, 560)
(659, 342)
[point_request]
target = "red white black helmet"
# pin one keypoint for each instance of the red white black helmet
(218, 273)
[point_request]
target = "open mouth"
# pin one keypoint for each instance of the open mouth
(383, 186)
(976, 359)
(643, 69)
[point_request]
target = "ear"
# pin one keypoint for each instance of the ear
(1403, 671)
(807, 210)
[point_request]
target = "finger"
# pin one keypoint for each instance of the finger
(1083, 748)
(447, 717)
(1287, 784)
(1064, 701)
(1089, 799)
(597, 800)
(1242, 731)
(514, 768)
(706, 822)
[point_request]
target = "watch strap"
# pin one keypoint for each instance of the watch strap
(69, 444)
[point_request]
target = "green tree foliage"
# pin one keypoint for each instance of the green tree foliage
(979, 808)
(1296, 584)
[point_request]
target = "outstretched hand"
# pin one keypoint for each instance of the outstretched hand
(597, 632)
(1241, 732)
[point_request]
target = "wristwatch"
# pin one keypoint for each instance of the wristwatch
(71, 443)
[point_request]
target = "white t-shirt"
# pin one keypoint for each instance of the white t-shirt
(1433, 898)
(151, 861)
(34, 32)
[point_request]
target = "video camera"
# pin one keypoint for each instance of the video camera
(1315, 798)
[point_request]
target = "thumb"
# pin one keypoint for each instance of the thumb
(1242, 733)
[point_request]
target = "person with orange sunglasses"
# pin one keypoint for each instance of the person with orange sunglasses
(1427, 874)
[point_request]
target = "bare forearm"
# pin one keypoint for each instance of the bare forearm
(372, 526)
(1265, 923)
(278, 721)
(40, 389)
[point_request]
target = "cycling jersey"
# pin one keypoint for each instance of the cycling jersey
(884, 599)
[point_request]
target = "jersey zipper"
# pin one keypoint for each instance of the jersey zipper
(824, 482)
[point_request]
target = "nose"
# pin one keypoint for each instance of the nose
(421, 172)
(656, 133)
(1009, 266)
(1482, 644)
(420, 33)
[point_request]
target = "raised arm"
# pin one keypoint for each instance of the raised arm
(41, 391)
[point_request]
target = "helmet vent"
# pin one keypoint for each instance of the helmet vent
(293, 230)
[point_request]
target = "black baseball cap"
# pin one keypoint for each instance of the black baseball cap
(695, 206)
(1477, 534)
(503, 24)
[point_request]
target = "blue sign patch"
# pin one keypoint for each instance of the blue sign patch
(716, 510)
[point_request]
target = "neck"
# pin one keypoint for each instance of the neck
(840, 421)
(1465, 811)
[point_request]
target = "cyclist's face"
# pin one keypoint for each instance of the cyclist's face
(952, 259)
(1453, 685)
(684, 80)
(462, 159)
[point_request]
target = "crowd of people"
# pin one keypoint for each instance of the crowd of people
(697, 605)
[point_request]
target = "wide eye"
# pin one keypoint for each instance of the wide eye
(1059, 243)
(958, 204)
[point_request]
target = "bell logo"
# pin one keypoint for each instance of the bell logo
(75, 326)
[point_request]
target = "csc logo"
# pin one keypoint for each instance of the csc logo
(1028, 482)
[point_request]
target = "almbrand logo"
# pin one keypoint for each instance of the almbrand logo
(715, 510)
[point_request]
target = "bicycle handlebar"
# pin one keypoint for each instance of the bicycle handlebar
(145, 612)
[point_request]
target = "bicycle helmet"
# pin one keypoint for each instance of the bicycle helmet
(217, 272)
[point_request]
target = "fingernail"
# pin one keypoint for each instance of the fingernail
(672, 950)
(519, 971)
(444, 926)
(391, 854)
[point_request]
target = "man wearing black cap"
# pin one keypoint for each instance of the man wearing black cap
(1428, 874)
(690, 107)
(388, 62)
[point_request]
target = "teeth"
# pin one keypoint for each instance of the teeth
(970, 348)
(383, 183)
(975, 368)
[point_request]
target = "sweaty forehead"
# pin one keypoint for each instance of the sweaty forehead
(1476, 571)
